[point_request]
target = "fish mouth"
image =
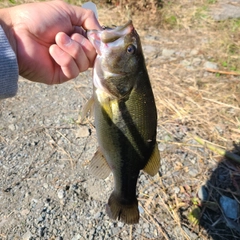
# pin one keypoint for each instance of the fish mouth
(108, 35)
(111, 35)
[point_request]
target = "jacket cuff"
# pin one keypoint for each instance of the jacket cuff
(8, 68)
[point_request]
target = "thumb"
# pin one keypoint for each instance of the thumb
(84, 18)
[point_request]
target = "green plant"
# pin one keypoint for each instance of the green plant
(235, 26)
(211, 1)
(172, 20)
(12, 1)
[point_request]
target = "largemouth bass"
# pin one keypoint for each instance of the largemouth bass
(125, 117)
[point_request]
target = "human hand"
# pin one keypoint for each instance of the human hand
(49, 40)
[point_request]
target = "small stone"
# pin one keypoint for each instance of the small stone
(139, 231)
(82, 132)
(41, 231)
(205, 74)
(167, 138)
(225, 11)
(58, 238)
(163, 168)
(141, 210)
(149, 49)
(12, 127)
(167, 52)
(146, 230)
(180, 54)
(219, 129)
(230, 207)
(176, 190)
(34, 200)
(210, 65)
(115, 231)
(61, 193)
(40, 219)
(45, 185)
(97, 215)
(161, 147)
(194, 52)
(76, 237)
(120, 224)
(99, 228)
(189, 233)
(151, 37)
(193, 172)
(49, 177)
(185, 63)
(203, 193)
(196, 61)
(27, 235)
(91, 232)
(145, 225)
(25, 212)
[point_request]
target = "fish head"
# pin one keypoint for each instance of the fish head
(119, 59)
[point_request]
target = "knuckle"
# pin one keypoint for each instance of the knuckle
(90, 13)
(83, 66)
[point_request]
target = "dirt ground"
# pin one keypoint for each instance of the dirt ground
(46, 191)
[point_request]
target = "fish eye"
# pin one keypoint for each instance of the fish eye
(131, 49)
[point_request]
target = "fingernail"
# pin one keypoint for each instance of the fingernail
(66, 40)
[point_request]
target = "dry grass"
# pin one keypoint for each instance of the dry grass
(207, 105)
(200, 103)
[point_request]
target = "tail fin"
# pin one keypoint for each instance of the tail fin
(127, 213)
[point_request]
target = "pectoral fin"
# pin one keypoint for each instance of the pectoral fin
(153, 163)
(99, 166)
(86, 108)
(107, 104)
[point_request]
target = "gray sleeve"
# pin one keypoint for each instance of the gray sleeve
(8, 68)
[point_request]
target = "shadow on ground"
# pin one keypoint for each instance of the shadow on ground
(220, 207)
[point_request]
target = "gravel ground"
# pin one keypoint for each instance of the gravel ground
(46, 191)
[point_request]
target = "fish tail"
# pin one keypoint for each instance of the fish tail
(127, 213)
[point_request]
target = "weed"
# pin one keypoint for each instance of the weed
(211, 1)
(201, 13)
(12, 1)
(172, 20)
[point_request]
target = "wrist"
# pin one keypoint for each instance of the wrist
(6, 24)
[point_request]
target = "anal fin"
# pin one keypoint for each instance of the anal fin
(153, 163)
(99, 166)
